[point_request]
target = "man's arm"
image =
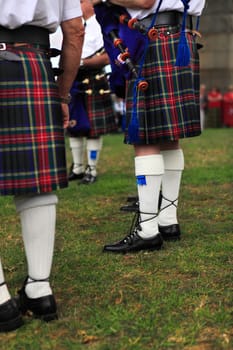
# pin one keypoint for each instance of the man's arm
(73, 34)
(96, 61)
(133, 4)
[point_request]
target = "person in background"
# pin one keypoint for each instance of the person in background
(119, 107)
(203, 104)
(91, 99)
(160, 116)
(227, 107)
(34, 111)
(213, 117)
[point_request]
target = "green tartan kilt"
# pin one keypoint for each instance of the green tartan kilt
(169, 109)
(32, 148)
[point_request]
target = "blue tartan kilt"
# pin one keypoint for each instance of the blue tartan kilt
(169, 109)
(32, 147)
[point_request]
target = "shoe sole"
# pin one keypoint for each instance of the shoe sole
(134, 250)
(177, 238)
(47, 317)
(78, 177)
(87, 182)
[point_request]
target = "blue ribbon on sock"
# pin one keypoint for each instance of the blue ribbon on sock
(93, 154)
(141, 180)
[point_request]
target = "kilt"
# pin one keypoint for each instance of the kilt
(32, 147)
(99, 107)
(169, 109)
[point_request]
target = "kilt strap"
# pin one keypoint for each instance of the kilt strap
(26, 34)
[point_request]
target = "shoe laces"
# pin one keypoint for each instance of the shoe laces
(89, 169)
(171, 202)
(136, 224)
(130, 237)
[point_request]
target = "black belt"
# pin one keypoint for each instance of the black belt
(168, 18)
(27, 34)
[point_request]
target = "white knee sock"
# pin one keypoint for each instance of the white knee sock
(149, 170)
(94, 147)
(38, 219)
(4, 293)
(174, 165)
(77, 149)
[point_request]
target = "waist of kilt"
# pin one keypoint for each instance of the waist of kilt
(168, 18)
(26, 33)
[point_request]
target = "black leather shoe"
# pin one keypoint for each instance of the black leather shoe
(88, 179)
(170, 233)
(44, 308)
(72, 176)
(134, 243)
(10, 316)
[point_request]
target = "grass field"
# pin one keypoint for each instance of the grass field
(178, 298)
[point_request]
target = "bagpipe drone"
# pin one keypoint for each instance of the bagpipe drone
(116, 24)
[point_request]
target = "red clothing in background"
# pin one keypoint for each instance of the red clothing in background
(214, 99)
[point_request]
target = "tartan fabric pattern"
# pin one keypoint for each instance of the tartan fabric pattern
(169, 109)
(32, 148)
(99, 106)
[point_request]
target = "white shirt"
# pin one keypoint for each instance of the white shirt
(93, 39)
(43, 13)
(195, 8)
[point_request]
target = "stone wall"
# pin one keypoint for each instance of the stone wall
(216, 27)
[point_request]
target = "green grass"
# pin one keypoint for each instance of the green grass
(178, 298)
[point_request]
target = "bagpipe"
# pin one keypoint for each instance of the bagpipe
(126, 40)
(100, 88)
(88, 84)
(117, 24)
(79, 123)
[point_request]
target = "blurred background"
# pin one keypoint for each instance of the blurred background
(216, 27)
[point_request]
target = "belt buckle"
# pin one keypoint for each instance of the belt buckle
(2, 46)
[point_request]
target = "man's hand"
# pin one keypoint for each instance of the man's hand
(65, 114)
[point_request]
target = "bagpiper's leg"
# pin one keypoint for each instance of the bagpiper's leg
(38, 220)
(77, 150)
(145, 235)
(174, 165)
(94, 147)
(149, 171)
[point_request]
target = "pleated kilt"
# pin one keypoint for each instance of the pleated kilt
(169, 109)
(32, 148)
(98, 103)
